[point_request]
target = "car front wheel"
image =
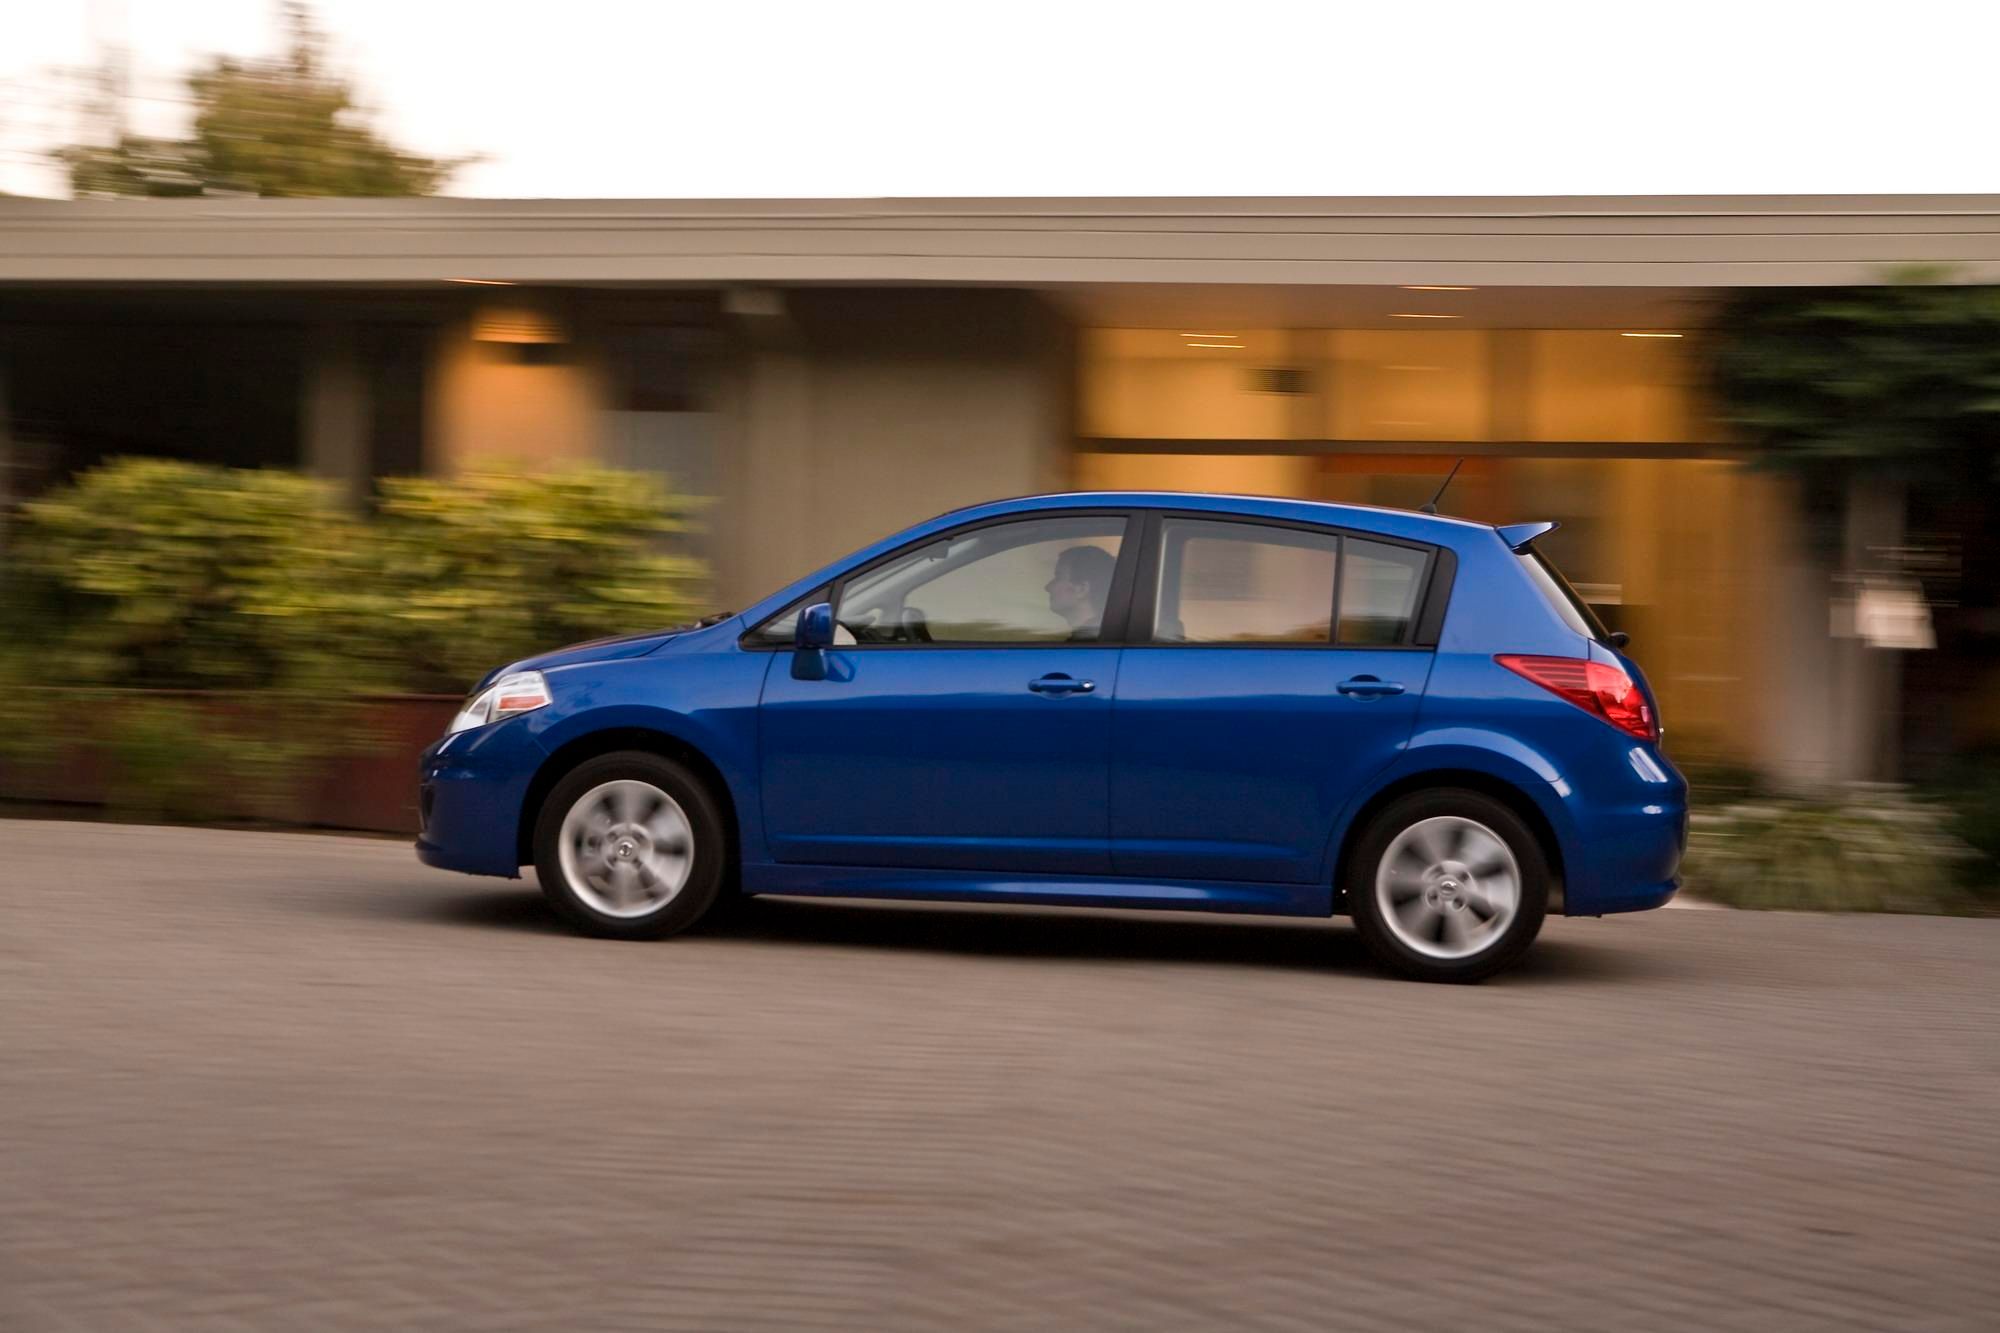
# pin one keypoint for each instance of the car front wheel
(630, 846)
(1448, 885)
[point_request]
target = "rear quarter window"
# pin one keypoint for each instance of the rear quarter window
(1575, 612)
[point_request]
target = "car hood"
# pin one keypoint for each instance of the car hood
(592, 650)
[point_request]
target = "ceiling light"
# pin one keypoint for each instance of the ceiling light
(1194, 344)
(1208, 335)
(507, 325)
(1430, 287)
(1410, 316)
(482, 282)
(1649, 335)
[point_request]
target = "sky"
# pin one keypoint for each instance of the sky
(736, 98)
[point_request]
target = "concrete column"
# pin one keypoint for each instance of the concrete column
(1868, 707)
(336, 419)
(763, 528)
(857, 412)
(1833, 710)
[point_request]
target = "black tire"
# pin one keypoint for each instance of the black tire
(1386, 939)
(707, 876)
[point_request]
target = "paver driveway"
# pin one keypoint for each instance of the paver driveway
(276, 1081)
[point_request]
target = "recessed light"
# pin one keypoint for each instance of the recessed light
(1650, 335)
(1432, 287)
(1412, 316)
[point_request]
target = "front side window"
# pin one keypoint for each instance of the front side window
(782, 630)
(1042, 580)
(1243, 583)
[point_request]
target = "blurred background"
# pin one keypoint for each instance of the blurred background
(350, 350)
(281, 421)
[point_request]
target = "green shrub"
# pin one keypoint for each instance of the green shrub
(1970, 789)
(470, 571)
(1868, 848)
(152, 574)
(145, 579)
(156, 574)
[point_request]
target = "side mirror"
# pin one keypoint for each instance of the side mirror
(816, 626)
(810, 642)
(1619, 638)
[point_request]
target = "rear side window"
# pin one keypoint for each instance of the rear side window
(1576, 612)
(1247, 583)
(1240, 583)
(1380, 586)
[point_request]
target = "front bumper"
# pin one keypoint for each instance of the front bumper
(471, 789)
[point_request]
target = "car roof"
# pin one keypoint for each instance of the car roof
(1394, 522)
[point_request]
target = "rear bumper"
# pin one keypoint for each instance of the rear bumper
(1626, 861)
(1627, 815)
(471, 789)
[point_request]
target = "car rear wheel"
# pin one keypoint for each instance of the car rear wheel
(630, 846)
(1448, 885)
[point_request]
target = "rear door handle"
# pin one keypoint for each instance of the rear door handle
(1369, 687)
(1057, 683)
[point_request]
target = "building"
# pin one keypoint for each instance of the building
(832, 370)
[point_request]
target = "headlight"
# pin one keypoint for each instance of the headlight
(521, 692)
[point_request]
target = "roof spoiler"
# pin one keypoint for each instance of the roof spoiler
(1518, 536)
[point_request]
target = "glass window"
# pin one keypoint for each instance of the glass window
(1575, 612)
(1380, 586)
(1405, 384)
(1032, 581)
(782, 630)
(1240, 583)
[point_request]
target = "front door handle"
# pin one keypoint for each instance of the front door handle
(1369, 687)
(1057, 683)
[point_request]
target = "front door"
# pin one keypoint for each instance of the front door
(964, 718)
(1259, 703)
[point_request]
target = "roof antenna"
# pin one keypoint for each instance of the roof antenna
(1430, 506)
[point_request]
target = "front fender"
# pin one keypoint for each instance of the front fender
(706, 702)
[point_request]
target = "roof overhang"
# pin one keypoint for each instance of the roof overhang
(1642, 242)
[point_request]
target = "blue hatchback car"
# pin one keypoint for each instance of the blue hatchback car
(1197, 702)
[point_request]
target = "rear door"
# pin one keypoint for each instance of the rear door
(1274, 669)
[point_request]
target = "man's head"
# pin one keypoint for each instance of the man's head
(1081, 585)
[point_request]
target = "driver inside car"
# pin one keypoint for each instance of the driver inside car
(1080, 588)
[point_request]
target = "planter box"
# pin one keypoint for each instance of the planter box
(374, 789)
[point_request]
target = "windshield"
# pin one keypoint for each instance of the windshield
(1576, 612)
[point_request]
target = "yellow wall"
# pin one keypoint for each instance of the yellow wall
(1405, 385)
(488, 407)
(1161, 384)
(1596, 384)
(1247, 474)
(1554, 386)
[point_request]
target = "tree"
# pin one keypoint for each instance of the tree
(279, 127)
(1899, 381)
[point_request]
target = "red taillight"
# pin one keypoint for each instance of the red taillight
(1595, 687)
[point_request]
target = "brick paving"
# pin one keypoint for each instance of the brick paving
(254, 1081)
